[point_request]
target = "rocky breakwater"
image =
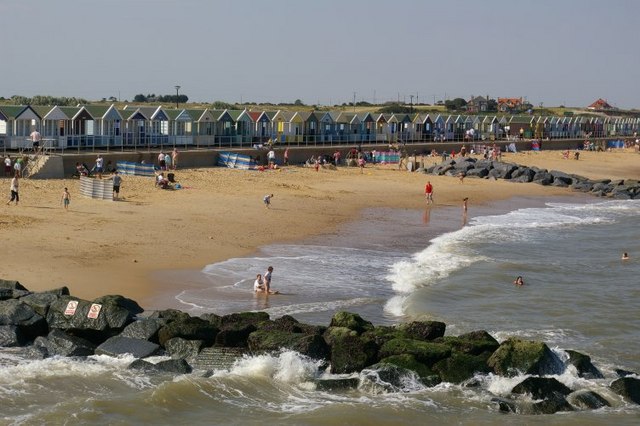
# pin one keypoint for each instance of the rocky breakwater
(488, 169)
(54, 323)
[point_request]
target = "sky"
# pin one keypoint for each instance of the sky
(552, 52)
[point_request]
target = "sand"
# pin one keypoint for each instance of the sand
(101, 247)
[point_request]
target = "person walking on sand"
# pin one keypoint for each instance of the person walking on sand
(267, 200)
(464, 204)
(8, 166)
(117, 180)
(428, 192)
(267, 280)
(14, 190)
(286, 156)
(99, 166)
(66, 199)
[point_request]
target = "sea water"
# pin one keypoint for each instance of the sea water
(390, 266)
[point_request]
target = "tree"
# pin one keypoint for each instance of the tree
(492, 105)
(140, 98)
(455, 104)
(298, 102)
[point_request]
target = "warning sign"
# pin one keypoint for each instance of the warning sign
(94, 310)
(71, 307)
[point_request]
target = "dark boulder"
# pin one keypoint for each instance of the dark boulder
(190, 329)
(11, 335)
(583, 365)
(390, 376)
(174, 366)
(12, 285)
(505, 405)
(40, 302)
(587, 400)
(179, 348)
(145, 329)
(234, 335)
(582, 186)
(170, 315)
(119, 345)
(515, 356)
(24, 317)
(562, 177)
(624, 373)
(523, 174)
(502, 170)
(352, 353)
(120, 301)
(409, 362)
(351, 321)
(60, 343)
(460, 367)
(244, 318)
(427, 353)
(628, 388)
(478, 173)
(551, 405)
(541, 387)
(543, 178)
(441, 169)
(311, 345)
(473, 343)
(423, 330)
(212, 318)
(110, 321)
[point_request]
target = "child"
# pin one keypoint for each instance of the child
(267, 200)
(66, 199)
(258, 284)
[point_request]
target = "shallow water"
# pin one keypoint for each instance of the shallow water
(391, 266)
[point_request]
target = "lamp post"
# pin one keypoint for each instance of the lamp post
(177, 94)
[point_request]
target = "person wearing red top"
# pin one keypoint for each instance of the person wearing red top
(428, 192)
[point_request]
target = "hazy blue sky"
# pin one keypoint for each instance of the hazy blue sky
(556, 52)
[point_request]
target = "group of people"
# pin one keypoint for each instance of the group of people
(168, 161)
(262, 284)
(13, 167)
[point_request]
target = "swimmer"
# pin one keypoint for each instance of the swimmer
(625, 256)
(519, 281)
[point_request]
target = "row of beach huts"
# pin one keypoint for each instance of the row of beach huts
(105, 127)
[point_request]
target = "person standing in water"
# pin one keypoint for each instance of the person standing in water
(428, 192)
(267, 280)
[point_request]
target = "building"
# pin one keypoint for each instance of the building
(510, 105)
(600, 105)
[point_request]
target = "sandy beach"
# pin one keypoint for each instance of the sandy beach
(101, 247)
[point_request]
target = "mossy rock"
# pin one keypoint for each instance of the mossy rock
(460, 367)
(351, 353)
(474, 343)
(312, 345)
(382, 334)
(427, 353)
(409, 362)
(516, 356)
(423, 330)
(351, 321)
(244, 318)
(334, 333)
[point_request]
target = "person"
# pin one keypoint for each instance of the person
(167, 161)
(117, 180)
(8, 166)
(271, 158)
(286, 156)
(35, 140)
(14, 189)
(258, 284)
(625, 256)
(464, 204)
(99, 166)
(267, 200)
(174, 158)
(336, 157)
(519, 281)
(81, 169)
(161, 161)
(461, 176)
(267, 280)
(161, 181)
(428, 192)
(576, 155)
(17, 167)
(66, 199)
(361, 163)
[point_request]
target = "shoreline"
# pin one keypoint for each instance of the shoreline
(101, 247)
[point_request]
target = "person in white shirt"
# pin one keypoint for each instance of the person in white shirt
(258, 284)
(35, 139)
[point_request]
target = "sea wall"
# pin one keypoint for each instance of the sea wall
(55, 323)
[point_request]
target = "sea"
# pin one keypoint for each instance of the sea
(389, 266)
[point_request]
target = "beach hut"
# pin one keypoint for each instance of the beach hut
(404, 123)
(367, 127)
(325, 122)
(261, 126)
(440, 128)
(180, 128)
(297, 126)
(203, 126)
(347, 127)
(136, 126)
(107, 123)
(20, 122)
(427, 128)
(521, 126)
(383, 130)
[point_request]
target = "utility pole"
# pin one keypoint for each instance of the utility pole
(354, 101)
(411, 96)
(177, 94)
